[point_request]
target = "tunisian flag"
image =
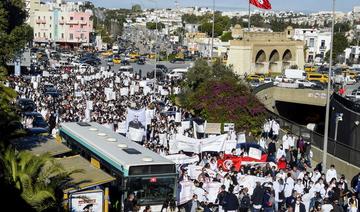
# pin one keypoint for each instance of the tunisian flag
(263, 4)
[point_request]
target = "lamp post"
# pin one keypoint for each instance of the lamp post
(212, 31)
(326, 130)
(337, 120)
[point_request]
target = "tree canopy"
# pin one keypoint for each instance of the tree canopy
(152, 25)
(136, 8)
(217, 94)
(226, 37)
(340, 44)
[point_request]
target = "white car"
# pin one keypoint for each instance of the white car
(305, 83)
(282, 79)
(268, 80)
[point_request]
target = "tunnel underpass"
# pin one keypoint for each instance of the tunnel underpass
(302, 114)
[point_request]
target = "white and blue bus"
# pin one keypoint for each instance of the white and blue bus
(138, 170)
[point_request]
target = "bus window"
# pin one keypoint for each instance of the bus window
(150, 190)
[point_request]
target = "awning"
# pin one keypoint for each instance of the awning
(89, 177)
(38, 145)
(213, 128)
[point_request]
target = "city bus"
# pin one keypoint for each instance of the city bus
(138, 170)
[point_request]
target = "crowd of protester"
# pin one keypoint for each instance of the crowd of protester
(288, 181)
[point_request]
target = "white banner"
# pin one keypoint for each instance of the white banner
(136, 118)
(182, 159)
(186, 144)
(136, 134)
(142, 83)
(213, 144)
(87, 201)
(249, 181)
(121, 127)
(149, 115)
(132, 90)
(185, 192)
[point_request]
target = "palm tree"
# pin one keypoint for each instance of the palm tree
(38, 177)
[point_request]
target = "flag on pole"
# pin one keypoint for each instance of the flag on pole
(263, 4)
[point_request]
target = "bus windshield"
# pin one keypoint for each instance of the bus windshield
(151, 190)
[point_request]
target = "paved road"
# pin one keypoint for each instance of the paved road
(150, 66)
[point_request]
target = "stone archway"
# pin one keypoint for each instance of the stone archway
(260, 61)
(286, 59)
(274, 61)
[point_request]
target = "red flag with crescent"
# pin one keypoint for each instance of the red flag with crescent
(263, 4)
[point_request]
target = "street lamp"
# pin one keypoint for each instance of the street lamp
(326, 130)
(339, 117)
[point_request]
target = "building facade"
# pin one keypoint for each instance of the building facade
(265, 52)
(317, 43)
(61, 23)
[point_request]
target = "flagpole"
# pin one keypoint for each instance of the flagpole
(327, 115)
(249, 24)
(212, 31)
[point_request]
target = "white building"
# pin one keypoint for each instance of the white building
(317, 43)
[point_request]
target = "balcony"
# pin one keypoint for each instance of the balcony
(43, 21)
(62, 22)
(38, 21)
(323, 48)
(83, 22)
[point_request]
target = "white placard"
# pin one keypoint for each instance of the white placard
(229, 145)
(241, 138)
(185, 125)
(177, 117)
(45, 74)
(89, 105)
(255, 153)
(136, 134)
(229, 127)
(185, 192)
(194, 171)
(213, 189)
(124, 91)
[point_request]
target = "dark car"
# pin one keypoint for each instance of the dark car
(160, 75)
(125, 62)
(141, 61)
(39, 125)
(177, 60)
(162, 67)
(26, 105)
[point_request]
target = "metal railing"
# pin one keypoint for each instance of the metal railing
(335, 148)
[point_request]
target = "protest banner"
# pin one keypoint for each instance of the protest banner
(229, 145)
(229, 127)
(185, 125)
(185, 192)
(89, 105)
(182, 158)
(136, 134)
(213, 144)
(136, 118)
(194, 171)
(124, 91)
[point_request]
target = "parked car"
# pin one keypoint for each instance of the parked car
(160, 75)
(26, 105)
(305, 83)
(177, 60)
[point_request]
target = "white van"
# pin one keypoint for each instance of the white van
(178, 73)
(295, 74)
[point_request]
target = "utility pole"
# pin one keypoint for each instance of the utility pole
(213, 31)
(327, 116)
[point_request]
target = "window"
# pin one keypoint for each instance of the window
(50, 35)
(322, 43)
(44, 35)
(50, 25)
(81, 26)
(312, 42)
(71, 36)
(35, 34)
(71, 26)
(39, 17)
(62, 35)
(50, 17)
(82, 18)
(81, 35)
(71, 18)
(62, 17)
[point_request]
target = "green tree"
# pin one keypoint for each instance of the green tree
(136, 8)
(226, 37)
(190, 19)
(340, 44)
(152, 25)
(342, 27)
(216, 93)
(14, 35)
(38, 178)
